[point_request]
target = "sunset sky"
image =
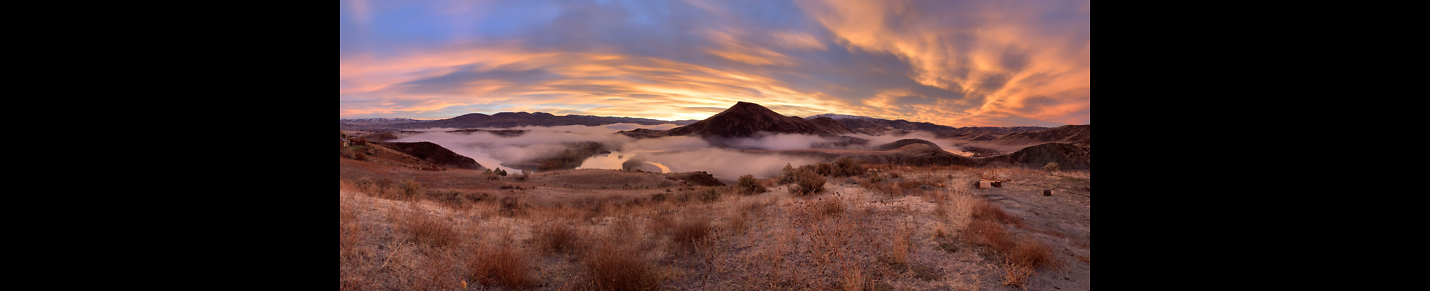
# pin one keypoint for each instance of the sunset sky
(955, 63)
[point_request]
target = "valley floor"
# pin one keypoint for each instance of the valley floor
(892, 228)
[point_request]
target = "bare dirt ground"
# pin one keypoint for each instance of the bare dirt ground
(1061, 221)
(847, 237)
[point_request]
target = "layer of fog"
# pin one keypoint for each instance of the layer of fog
(924, 135)
(491, 150)
(677, 154)
(787, 141)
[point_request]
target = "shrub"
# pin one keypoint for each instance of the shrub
(1031, 253)
(987, 211)
(788, 176)
(509, 206)
(710, 194)
(852, 279)
(1051, 166)
(821, 168)
(831, 207)
(557, 237)
(880, 186)
(749, 186)
(807, 183)
(1016, 275)
(875, 178)
(410, 188)
(908, 184)
(925, 272)
(991, 234)
(845, 167)
(365, 183)
(902, 244)
(453, 198)
(615, 267)
(430, 230)
(690, 232)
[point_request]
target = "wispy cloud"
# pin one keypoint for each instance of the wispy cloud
(953, 63)
(1014, 56)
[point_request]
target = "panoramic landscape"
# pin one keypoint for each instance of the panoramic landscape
(715, 145)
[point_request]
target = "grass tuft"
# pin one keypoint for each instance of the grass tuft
(557, 237)
(690, 232)
(500, 264)
(430, 230)
(984, 210)
(612, 266)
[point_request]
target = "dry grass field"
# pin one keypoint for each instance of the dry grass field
(862, 227)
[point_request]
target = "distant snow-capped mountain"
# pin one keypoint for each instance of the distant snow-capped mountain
(498, 120)
(838, 116)
(377, 120)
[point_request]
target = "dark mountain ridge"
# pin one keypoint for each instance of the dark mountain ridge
(745, 119)
(433, 153)
(1068, 156)
(876, 126)
(1072, 134)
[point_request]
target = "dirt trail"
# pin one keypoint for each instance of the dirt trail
(1062, 221)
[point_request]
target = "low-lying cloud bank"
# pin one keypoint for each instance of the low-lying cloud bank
(678, 153)
(726, 163)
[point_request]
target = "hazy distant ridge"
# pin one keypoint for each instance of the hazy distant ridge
(499, 120)
(876, 126)
(377, 120)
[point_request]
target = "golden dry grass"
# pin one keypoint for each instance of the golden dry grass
(989, 212)
(690, 232)
(1021, 256)
(430, 230)
(501, 263)
(557, 236)
(846, 237)
(900, 250)
(615, 263)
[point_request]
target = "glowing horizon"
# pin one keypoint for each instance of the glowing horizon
(953, 63)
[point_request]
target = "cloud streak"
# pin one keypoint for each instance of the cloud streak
(1001, 54)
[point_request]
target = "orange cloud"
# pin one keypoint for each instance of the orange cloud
(954, 63)
(799, 40)
(733, 49)
(1000, 52)
(517, 78)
